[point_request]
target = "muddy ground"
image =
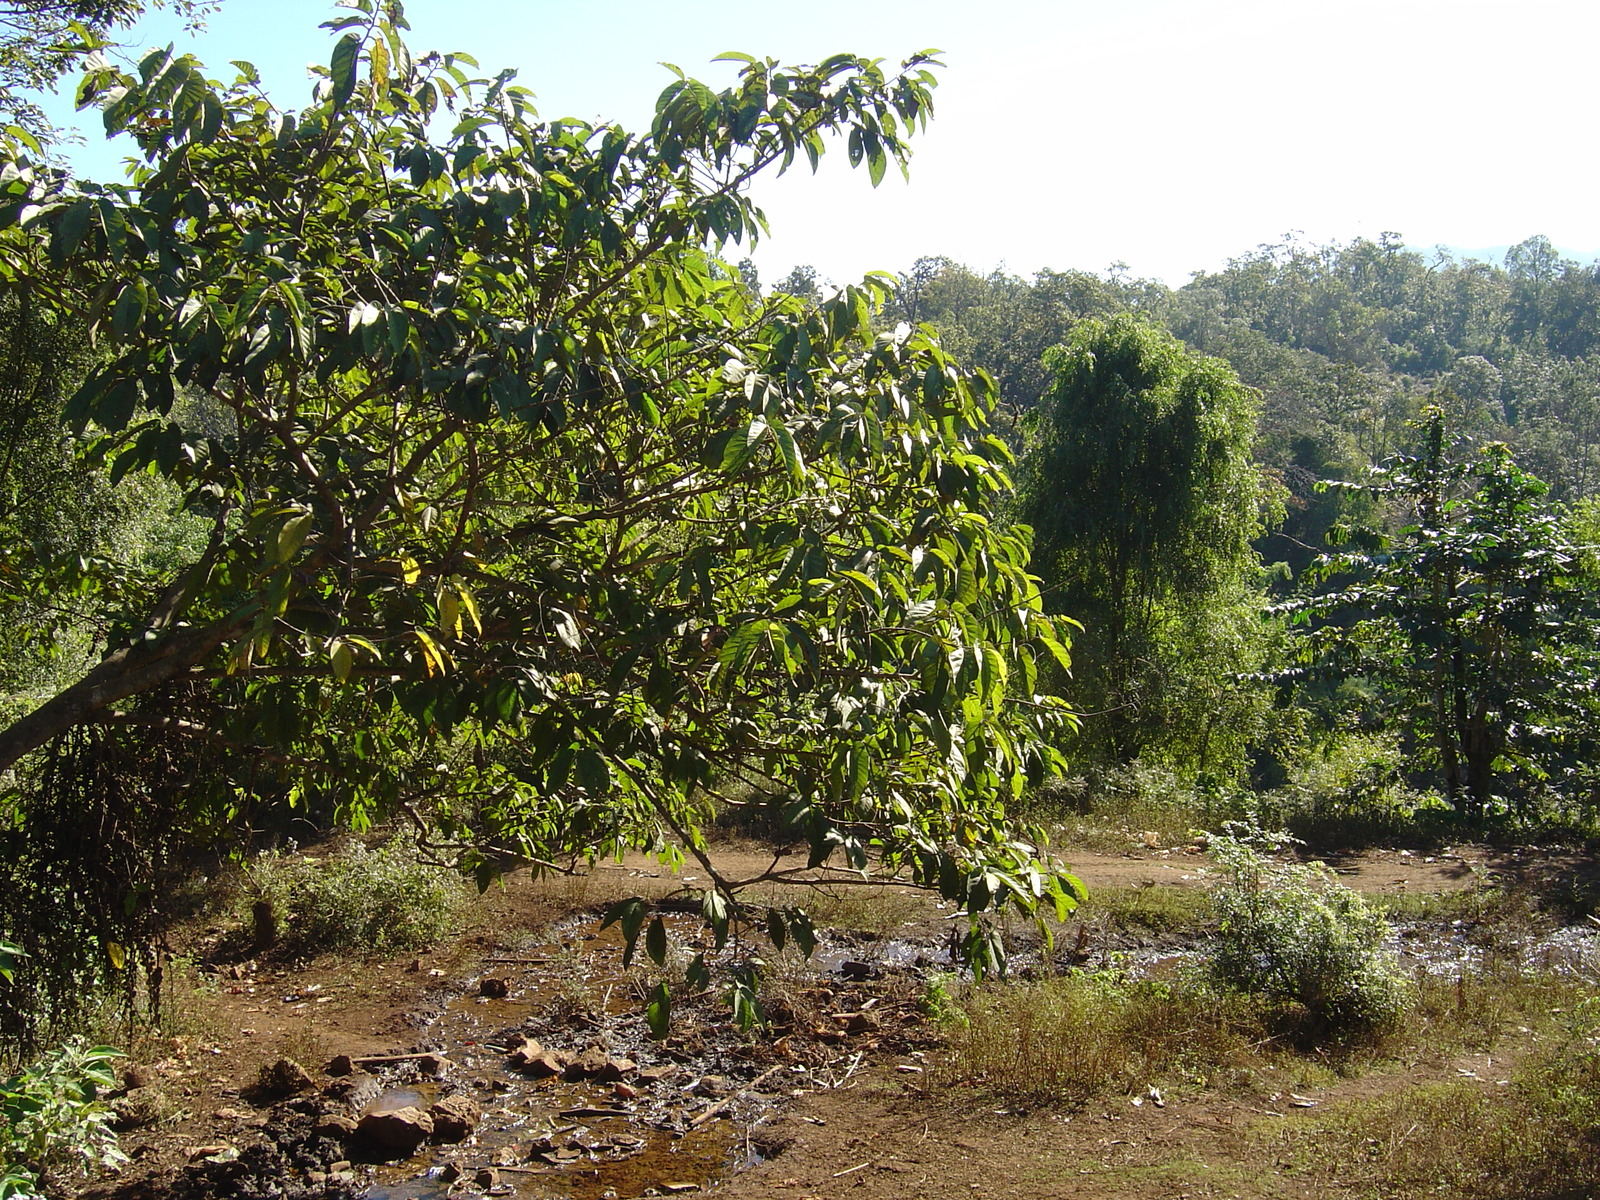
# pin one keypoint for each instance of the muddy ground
(834, 1100)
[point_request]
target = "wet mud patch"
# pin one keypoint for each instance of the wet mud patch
(550, 1045)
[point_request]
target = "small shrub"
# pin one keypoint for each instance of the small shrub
(1292, 932)
(373, 901)
(52, 1120)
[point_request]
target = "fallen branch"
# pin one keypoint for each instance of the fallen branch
(722, 1104)
(375, 1059)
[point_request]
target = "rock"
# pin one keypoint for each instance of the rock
(136, 1110)
(494, 989)
(652, 1075)
(616, 1069)
(220, 1153)
(533, 1058)
(711, 1086)
(356, 1090)
(434, 1065)
(624, 1091)
(396, 1133)
(857, 972)
(486, 1178)
(284, 1078)
(336, 1126)
(455, 1118)
(857, 1022)
(340, 1064)
(588, 1065)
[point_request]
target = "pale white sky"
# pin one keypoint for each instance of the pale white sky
(1168, 134)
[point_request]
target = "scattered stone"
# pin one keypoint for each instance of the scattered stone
(588, 1065)
(340, 1064)
(434, 1065)
(336, 1126)
(284, 1078)
(857, 1022)
(396, 1133)
(449, 1173)
(220, 1153)
(455, 1118)
(616, 1069)
(625, 1091)
(858, 972)
(710, 1086)
(494, 989)
(670, 1189)
(654, 1075)
(486, 1177)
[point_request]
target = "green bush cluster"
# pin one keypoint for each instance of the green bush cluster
(53, 1120)
(357, 899)
(1291, 932)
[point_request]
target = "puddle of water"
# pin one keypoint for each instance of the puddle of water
(414, 1096)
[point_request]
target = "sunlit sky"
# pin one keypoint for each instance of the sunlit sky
(1170, 135)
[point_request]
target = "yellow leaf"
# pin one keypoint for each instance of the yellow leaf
(449, 613)
(432, 655)
(409, 570)
(117, 955)
(471, 605)
(342, 659)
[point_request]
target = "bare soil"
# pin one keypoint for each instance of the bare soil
(834, 1101)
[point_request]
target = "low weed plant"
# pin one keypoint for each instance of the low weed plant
(1068, 1039)
(355, 900)
(1290, 932)
(1530, 1138)
(53, 1123)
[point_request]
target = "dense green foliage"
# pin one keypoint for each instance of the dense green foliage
(1473, 623)
(1347, 346)
(356, 900)
(53, 1123)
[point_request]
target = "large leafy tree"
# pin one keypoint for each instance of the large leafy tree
(524, 517)
(1470, 623)
(1143, 499)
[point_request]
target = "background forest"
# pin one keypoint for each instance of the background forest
(1420, 437)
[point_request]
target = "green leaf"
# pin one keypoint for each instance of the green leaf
(342, 68)
(658, 1013)
(341, 658)
(698, 975)
(655, 942)
(802, 930)
(290, 537)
